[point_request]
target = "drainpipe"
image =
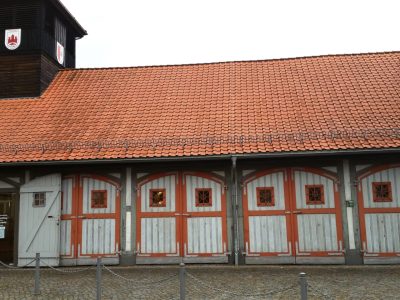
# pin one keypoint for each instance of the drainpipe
(235, 211)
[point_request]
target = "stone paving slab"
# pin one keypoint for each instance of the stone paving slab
(208, 282)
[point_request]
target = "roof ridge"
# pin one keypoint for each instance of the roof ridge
(232, 61)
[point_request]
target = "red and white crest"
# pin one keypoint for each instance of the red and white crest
(60, 53)
(12, 38)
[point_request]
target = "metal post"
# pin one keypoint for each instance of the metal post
(98, 279)
(182, 281)
(303, 286)
(36, 290)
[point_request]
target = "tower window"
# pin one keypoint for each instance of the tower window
(265, 196)
(158, 198)
(315, 194)
(382, 191)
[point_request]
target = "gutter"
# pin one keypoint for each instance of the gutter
(205, 157)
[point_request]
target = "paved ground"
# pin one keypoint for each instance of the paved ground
(209, 282)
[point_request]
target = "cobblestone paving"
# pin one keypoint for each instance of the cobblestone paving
(209, 282)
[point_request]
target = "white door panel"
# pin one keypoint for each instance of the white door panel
(39, 230)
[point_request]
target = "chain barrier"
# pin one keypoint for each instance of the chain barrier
(197, 288)
(140, 283)
(261, 294)
(16, 267)
(68, 271)
(314, 290)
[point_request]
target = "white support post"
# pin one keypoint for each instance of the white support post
(128, 200)
(128, 224)
(128, 204)
(349, 209)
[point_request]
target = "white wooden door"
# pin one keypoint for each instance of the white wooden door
(267, 217)
(292, 216)
(98, 223)
(158, 231)
(90, 219)
(316, 212)
(204, 216)
(40, 210)
(379, 205)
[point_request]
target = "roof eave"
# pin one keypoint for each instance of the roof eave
(243, 156)
(78, 27)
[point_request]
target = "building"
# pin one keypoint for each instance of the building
(258, 162)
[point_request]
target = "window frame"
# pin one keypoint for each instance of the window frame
(382, 200)
(198, 204)
(164, 201)
(34, 204)
(307, 192)
(97, 206)
(258, 195)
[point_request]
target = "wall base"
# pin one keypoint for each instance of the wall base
(353, 257)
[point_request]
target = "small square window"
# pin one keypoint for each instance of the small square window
(99, 199)
(158, 198)
(203, 197)
(382, 191)
(315, 194)
(39, 199)
(265, 196)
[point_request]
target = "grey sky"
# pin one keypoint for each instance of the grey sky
(153, 32)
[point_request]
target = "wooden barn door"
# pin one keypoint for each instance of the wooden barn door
(292, 216)
(379, 207)
(316, 217)
(204, 218)
(267, 218)
(158, 222)
(90, 219)
(40, 210)
(181, 217)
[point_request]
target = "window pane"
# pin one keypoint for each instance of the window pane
(265, 196)
(157, 198)
(382, 191)
(203, 197)
(99, 199)
(39, 199)
(315, 194)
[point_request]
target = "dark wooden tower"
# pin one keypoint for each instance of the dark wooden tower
(37, 39)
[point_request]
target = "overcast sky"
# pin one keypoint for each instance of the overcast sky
(155, 32)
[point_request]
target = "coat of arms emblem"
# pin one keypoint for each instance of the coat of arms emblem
(12, 38)
(60, 53)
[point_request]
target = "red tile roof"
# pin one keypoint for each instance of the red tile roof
(334, 102)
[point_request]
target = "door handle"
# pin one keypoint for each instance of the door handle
(287, 212)
(81, 217)
(186, 215)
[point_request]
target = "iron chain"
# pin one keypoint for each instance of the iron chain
(141, 283)
(68, 271)
(16, 267)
